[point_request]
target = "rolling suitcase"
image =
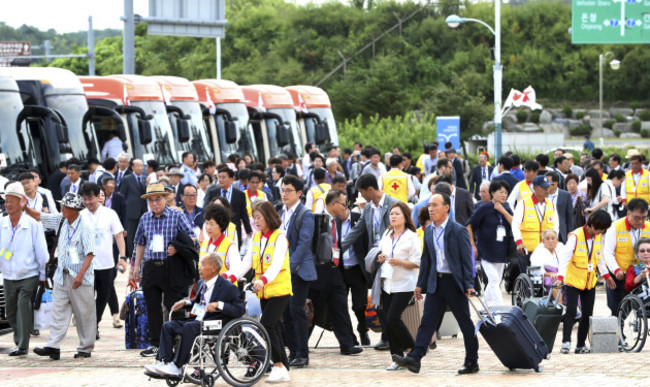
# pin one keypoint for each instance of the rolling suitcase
(412, 317)
(512, 338)
(546, 315)
(136, 325)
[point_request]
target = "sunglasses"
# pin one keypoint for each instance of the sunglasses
(643, 251)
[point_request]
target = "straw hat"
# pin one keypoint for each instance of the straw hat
(632, 152)
(155, 190)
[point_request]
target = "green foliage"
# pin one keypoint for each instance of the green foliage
(645, 115)
(580, 130)
(534, 116)
(609, 124)
(566, 110)
(645, 133)
(636, 126)
(617, 133)
(580, 115)
(522, 115)
(619, 118)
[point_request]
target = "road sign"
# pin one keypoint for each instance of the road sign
(448, 129)
(8, 50)
(197, 18)
(610, 21)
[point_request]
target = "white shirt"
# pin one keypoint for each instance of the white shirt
(610, 241)
(112, 148)
(406, 247)
(233, 260)
(104, 224)
(542, 257)
(567, 253)
(28, 249)
(51, 204)
(515, 194)
(518, 217)
(93, 178)
(36, 203)
(377, 218)
(279, 254)
(287, 214)
(72, 187)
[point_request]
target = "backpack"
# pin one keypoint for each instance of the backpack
(321, 246)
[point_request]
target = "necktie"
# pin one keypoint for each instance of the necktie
(484, 174)
(119, 177)
(139, 179)
(74, 188)
(224, 193)
(335, 242)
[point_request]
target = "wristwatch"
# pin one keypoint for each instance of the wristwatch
(124, 258)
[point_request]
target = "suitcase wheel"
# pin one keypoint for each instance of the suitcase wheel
(548, 356)
(512, 368)
(454, 336)
(538, 369)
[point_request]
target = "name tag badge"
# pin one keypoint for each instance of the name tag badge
(98, 236)
(441, 255)
(157, 244)
(582, 250)
(6, 254)
(501, 233)
(590, 267)
(622, 239)
(336, 253)
(633, 189)
(199, 311)
(530, 216)
(74, 257)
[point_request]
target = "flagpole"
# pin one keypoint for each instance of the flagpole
(497, 78)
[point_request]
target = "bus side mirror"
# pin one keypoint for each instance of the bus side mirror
(282, 135)
(231, 132)
(61, 133)
(183, 127)
(145, 132)
(322, 133)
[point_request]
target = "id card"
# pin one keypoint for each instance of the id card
(441, 255)
(199, 311)
(590, 267)
(74, 257)
(336, 253)
(501, 233)
(98, 236)
(157, 244)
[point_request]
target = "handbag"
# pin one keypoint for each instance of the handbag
(43, 315)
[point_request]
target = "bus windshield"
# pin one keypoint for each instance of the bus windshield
(295, 144)
(162, 147)
(10, 106)
(245, 138)
(73, 107)
(200, 142)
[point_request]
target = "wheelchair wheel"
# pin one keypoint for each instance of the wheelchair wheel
(172, 382)
(203, 348)
(243, 352)
(632, 323)
(522, 289)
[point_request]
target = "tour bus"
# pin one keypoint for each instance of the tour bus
(138, 102)
(224, 102)
(273, 120)
(59, 90)
(315, 117)
(194, 133)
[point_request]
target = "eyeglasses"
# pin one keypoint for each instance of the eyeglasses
(287, 191)
(343, 204)
(643, 251)
(190, 196)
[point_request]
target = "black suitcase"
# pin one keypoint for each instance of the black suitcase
(546, 315)
(512, 338)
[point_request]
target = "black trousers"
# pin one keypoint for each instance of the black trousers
(272, 310)
(435, 305)
(399, 337)
(189, 330)
(356, 284)
(615, 296)
(103, 288)
(131, 227)
(113, 304)
(587, 298)
(336, 298)
(153, 282)
(296, 327)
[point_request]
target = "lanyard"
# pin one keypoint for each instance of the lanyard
(589, 251)
(205, 291)
(437, 237)
(377, 219)
(500, 219)
(35, 202)
(158, 224)
(13, 231)
(74, 231)
(392, 252)
(285, 221)
(263, 250)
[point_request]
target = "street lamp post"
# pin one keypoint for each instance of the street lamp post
(615, 65)
(454, 21)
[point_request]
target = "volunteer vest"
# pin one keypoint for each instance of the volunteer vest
(222, 251)
(531, 227)
(420, 232)
(249, 203)
(395, 185)
(281, 285)
(640, 190)
(624, 251)
(578, 274)
(318, 191)
(524, 191)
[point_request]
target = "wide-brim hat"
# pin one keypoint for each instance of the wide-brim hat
(360, 200)
(155, 190)
(176, 171)
(14, 189)
(73, 201)
(632, 152)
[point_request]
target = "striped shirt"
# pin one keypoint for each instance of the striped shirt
(77, 236)
(168, 225)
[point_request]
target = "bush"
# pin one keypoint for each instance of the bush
(580, 130)
(609, 124)
(636, 126)
(645, 133)
(619, 118)
(566, 110)
(645, 115)
(617, 133)
(635, 105)
(534, 116)
(580, 115)
(522, 115)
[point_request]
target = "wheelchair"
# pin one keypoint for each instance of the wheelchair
(527, 285)
(632, 316)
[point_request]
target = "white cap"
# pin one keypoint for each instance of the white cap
(15, 189)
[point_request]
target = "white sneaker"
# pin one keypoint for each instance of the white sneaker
(566, 347)
(155, 367)
(393, 367)
(169, 369)
(278, 375)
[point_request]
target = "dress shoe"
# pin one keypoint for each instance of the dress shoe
(412, 364)
(35, 332)
(299, 362)
(365, 340)
(18, 352)
(97, 335)
(351, 351)
(82, 355)
(53, 353)
(382, 346)
(469, 368)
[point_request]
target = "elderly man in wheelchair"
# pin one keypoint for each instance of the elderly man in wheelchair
(217, 299)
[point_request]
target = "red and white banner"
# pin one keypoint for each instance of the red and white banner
(527, 98)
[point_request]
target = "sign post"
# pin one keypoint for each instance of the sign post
(448, 130)
(610, 22)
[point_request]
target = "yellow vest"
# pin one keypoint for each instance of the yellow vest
(281, 285)
(624, 251)
(640, 190)
(222, 251)
(578, 274)
(319, 190)
(531, 227)
(249, 204)
(420, 232)
(231, 231)
(524, 190)
(395, 185)
(420, 163)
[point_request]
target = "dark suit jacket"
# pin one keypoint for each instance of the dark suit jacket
(564, 213)
(300, 256)
(132, 191)
(365, 224)
(66, 189)
(182, 267)
(198, 216)
(238, 204)
(458, 253)
(118, 204)
(460, 177)
(126, 173)
(234, 305)
(360, 246)
(476, 179)
(508, 178)
(463, 206)
(54, 184)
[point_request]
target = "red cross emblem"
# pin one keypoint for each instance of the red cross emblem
(395, 186)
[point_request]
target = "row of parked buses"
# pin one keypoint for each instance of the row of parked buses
(48, 115)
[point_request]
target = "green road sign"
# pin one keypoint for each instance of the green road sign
(610, 21)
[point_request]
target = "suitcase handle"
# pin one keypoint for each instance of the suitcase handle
(490, 315)
(550, 294)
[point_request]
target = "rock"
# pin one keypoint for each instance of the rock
(606, 133)
(556, 113)
(630, 135)
(623, 127)
(530, 127)
(576, 111)
(514, 128)
(622, 111)
(545, 117)
(645, 125)
(637, 112)
(573, 123)
(596, 114)
(508, 122)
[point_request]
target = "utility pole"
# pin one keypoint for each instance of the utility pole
(128, 40)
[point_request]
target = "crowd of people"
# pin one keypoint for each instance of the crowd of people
(324, 228)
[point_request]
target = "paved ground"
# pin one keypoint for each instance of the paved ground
(112, 365)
